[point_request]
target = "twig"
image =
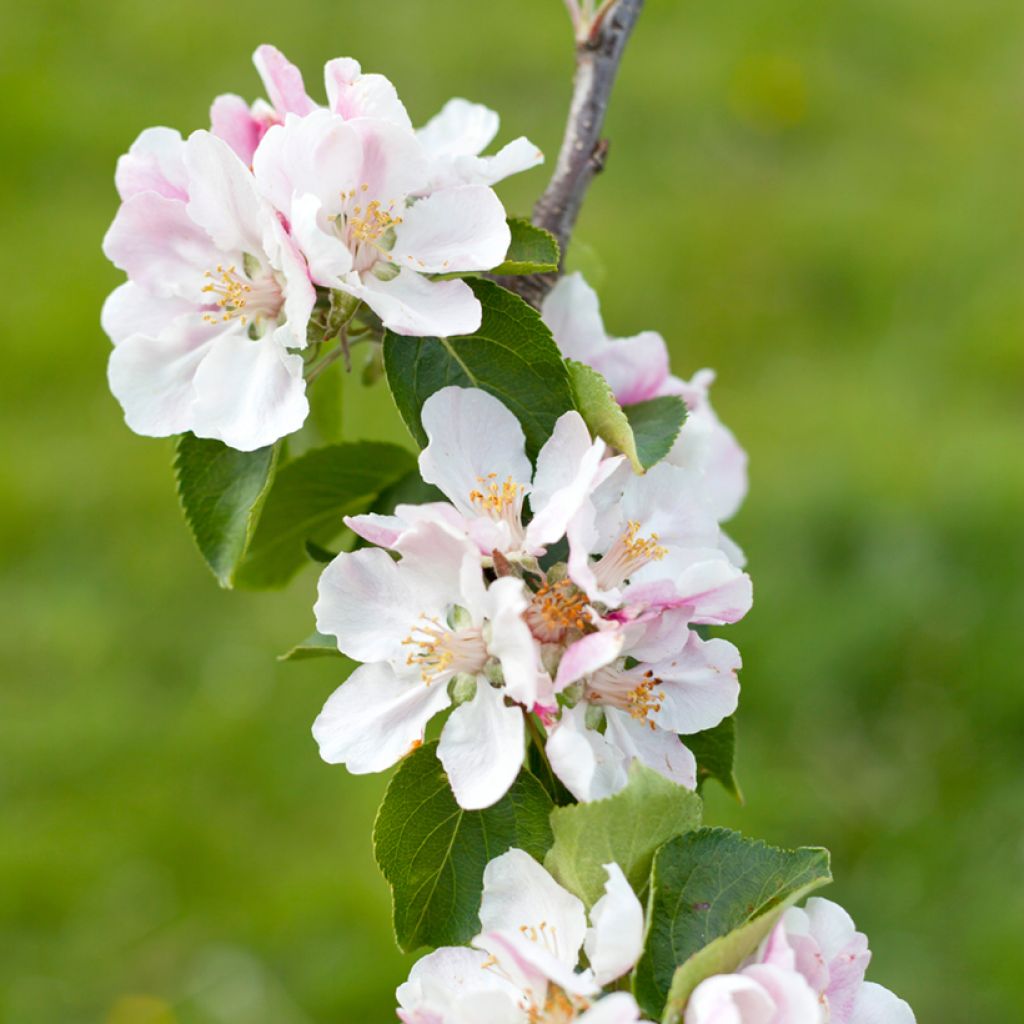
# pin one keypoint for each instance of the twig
(583, 151)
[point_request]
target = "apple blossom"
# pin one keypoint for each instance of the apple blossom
(646, 684)
(810, 970)
(217, 298)
(421, 623)
(637, 369)
(523, 967)
(352, 193)
(476, 456)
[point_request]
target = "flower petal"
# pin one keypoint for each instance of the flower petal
(154, 163)
(232, 120)
(616, 937)
(616, 1008)
(459, 128)
(413, 305)
(699, 684)
(352, 94)
(589, 766)
(517, 156)
(587, 655)
(130, 309)
(375, 718)
(663, 751)
(282, 80)
(511, 641)
(472, 438)
(733, 999)
(877, 1005)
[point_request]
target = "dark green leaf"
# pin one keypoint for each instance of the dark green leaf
(626, 828)
(309, 499)
(706, 884)
(222, 492)
(715, 750)
(433, 853)
(531, 251)
(656, 424)
(316, 645)
(512, 355)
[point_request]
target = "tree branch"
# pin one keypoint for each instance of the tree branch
(583, 151)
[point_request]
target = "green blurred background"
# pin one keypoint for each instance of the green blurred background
(824, 202)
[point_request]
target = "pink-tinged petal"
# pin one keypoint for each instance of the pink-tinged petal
(153, 163)
(232, 120)
(730, 999)
(615, 939)
(282, 80)
(617, 1008)
(589, 766)
(299, 293)
(795, 1001)
(587, 655)
(365, 600)
(520, 894)
(455, 229)
(327, 257)
(375, 718)
(393, 162)
(530, 965)
(481, 748)
(222, 195)
(666, 500)
(877, 1005)
(413, 305)
(249, 393)
(567, 467)
(353, 94)
(711, 589)
(388, 530)
(699, 684)
(572, 312)
(655, 635)
(471, 436)
(635, 368)
(511, 641)
(439, 564)
(777, 950)
(130, 309)
(155, 242)
(517, 156)
(663, 751)
(459, 128)
(152, 377)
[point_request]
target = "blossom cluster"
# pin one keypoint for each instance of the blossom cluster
(564, 597)
(238, 240)
(523, 966)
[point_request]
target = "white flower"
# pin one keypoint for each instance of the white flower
(353, 195)
(524, 967)
(671, 689)
(477, 457)
(810, 970)
(421, 623)
(216, 300)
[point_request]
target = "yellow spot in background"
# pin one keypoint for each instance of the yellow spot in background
(141, 1010)
(769, 93)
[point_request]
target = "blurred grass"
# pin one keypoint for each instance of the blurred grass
(822, 201)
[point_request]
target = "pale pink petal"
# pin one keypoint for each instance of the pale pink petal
(413, 305)
(615, 939)
(877, 1005)
(160, 247)
(299, 293)
(520, 894)
(393, 162)
(517, 156)
(442, 981)
(375, 718)
(530, 964)
(572, 312)
(730, 999)
(705, 583)
(481, 748)
(130, 309)
(282, 80)
(152, 376)
(327, 256)
(699, 684)
(249, 393)
(232, 120)
(387, 530)
(353, 94)
(586, 655)
(795, 1001)
(153, 163)
(222, 195)
(616, 1008)
(461, 228)
(663, 751)
(459, 128)
(589, 766)
(635, 367)
(511, 641)
(471, 436)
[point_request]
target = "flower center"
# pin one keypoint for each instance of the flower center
(439, 651)
(239, 296)
(629, 690)
(557, 610)
(628, 554)
(367, 227)
(502, 502)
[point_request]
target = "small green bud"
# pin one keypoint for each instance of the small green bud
(462, 688)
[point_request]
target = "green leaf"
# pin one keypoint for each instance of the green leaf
(308, 500)
(433, 853)
(705, 885)
(222, 492)
(512, 355)
(658, 429)
(531, 251)
(715, 750)
(656, 424)
(316, 645)
(626, 828)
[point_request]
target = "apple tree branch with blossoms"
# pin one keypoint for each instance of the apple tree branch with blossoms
(534, 602)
